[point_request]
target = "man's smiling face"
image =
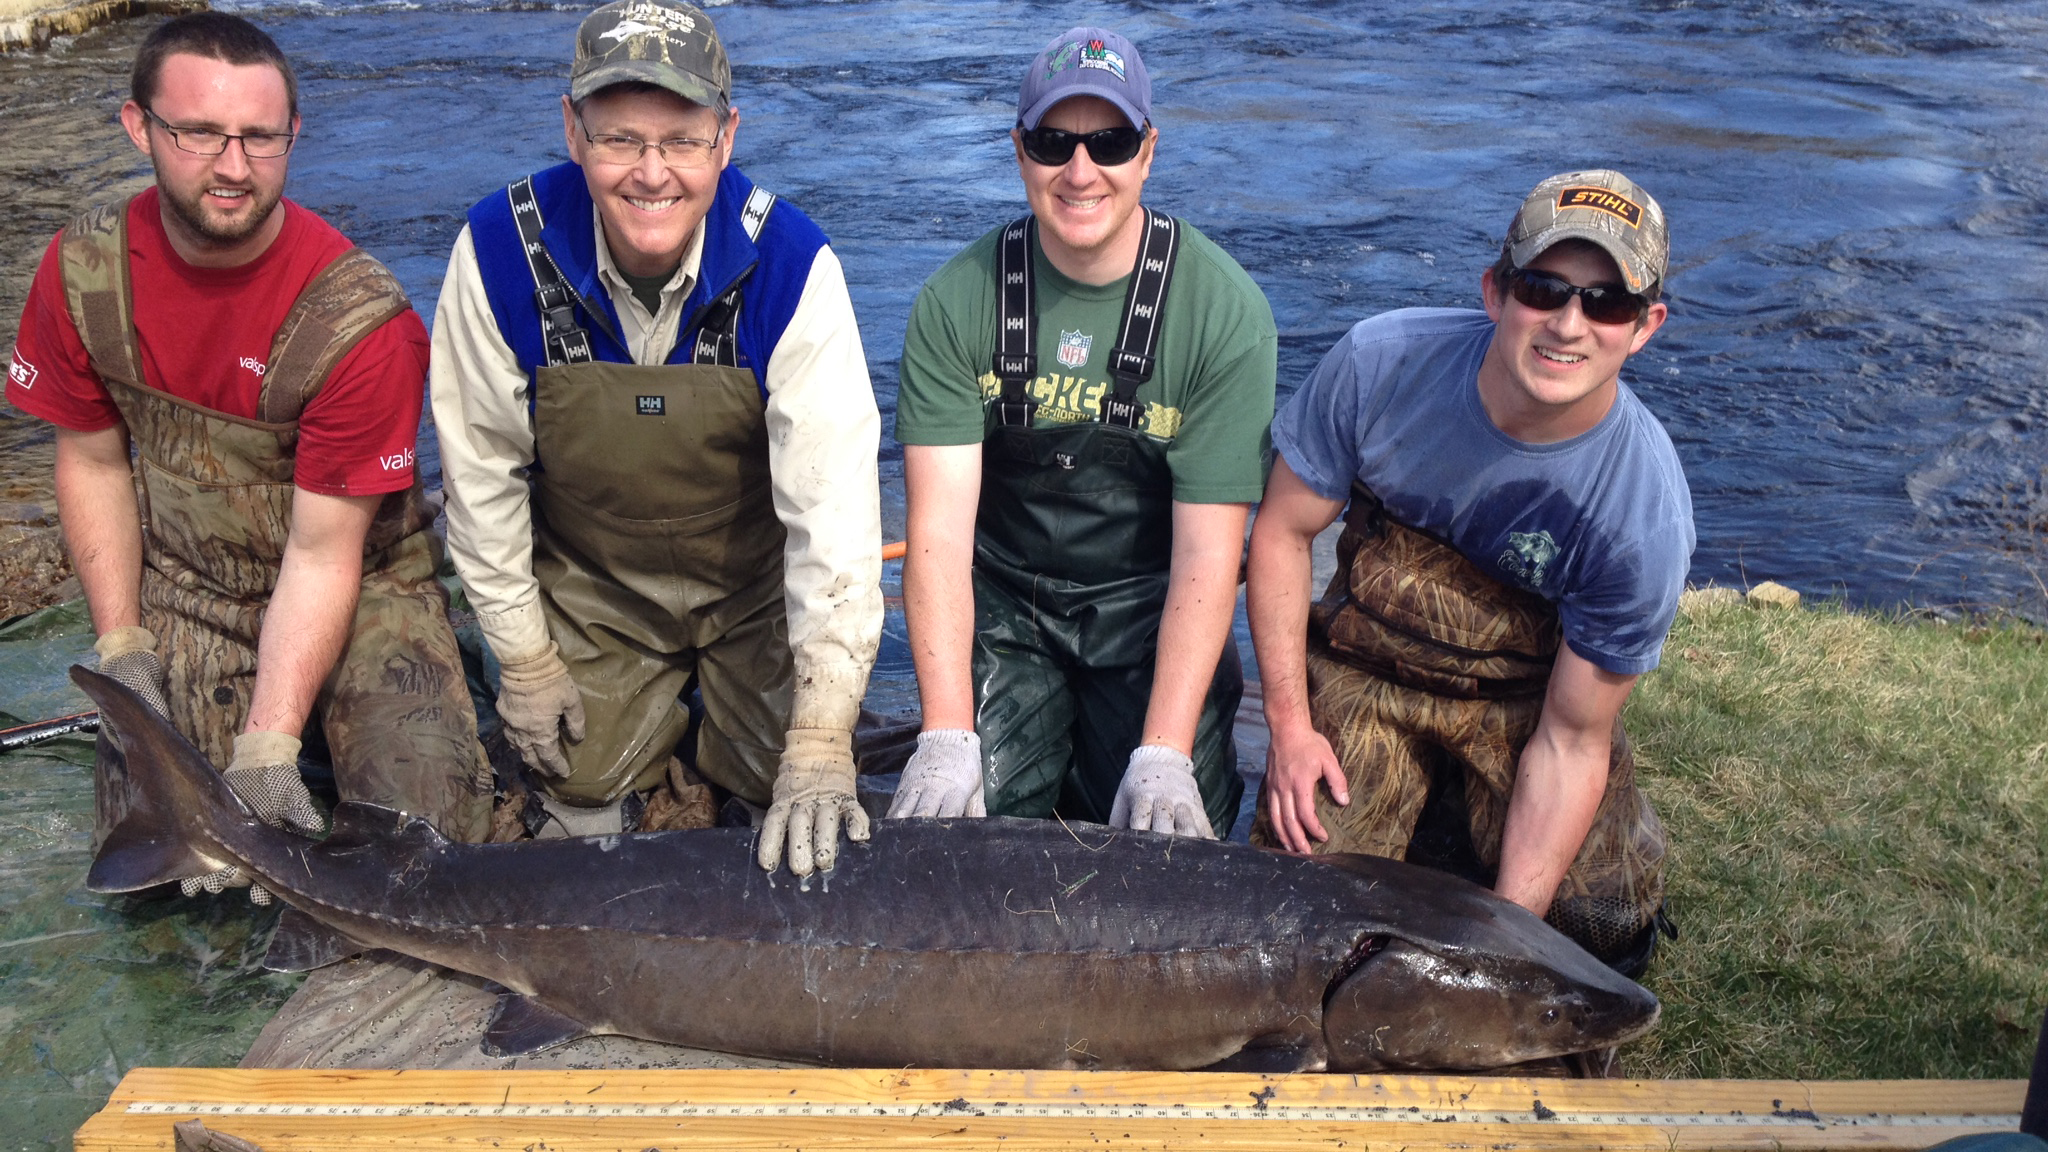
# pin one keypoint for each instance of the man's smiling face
(1083, 207)
(1551, 375)
(650, 210)
(214, 203)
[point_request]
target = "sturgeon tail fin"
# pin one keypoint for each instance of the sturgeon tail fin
(170, 788)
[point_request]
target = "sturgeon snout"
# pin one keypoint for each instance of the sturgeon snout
(1406, 1007)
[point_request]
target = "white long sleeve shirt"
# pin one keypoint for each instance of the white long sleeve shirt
(823, 433)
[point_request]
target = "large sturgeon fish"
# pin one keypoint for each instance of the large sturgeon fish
(990, 943)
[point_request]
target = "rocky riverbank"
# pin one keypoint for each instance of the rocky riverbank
(61, 150)
(31, 25)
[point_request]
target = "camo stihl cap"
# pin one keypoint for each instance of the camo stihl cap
(1602, 207)
(662, 42)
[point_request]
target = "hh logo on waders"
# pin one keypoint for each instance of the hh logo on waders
(1527, 557)
(1074, 348)
(650, 405)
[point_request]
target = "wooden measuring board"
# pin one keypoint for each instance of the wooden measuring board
(562, 1111)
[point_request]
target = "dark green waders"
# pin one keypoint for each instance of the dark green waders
(218, 493)
(659, 556)
(1073, 540)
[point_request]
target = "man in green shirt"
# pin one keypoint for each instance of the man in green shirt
(1084, 409)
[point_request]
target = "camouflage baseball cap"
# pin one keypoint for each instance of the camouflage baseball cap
(1600, 206)
(663, 42)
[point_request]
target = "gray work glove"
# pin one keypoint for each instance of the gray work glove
(128, 657)
(943, 777)
(537, 701)
(1159, 794)
(265, 774)
(813, 795)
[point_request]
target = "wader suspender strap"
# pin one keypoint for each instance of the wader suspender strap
(1137, 338)
(718, 322)
(566, 341)
(1016, 361)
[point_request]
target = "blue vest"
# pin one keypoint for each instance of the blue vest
(775, 269)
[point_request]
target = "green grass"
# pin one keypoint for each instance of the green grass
(1858, 808)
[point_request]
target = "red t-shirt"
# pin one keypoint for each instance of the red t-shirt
(205, 335)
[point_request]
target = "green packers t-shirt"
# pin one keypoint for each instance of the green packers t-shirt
(1210, 398)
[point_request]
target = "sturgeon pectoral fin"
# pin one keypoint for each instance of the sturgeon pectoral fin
(357, 823)
(522, 1025)
(302, 944)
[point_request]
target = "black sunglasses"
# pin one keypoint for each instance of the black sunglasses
(1108, 147)
(1602, 303)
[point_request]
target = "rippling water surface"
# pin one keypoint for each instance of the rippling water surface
(1853, 372)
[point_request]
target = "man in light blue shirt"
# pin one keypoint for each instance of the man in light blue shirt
(1518, 534)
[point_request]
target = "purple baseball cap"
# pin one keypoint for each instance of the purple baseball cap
(1086, 62)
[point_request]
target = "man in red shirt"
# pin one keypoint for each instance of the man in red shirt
(269, 376)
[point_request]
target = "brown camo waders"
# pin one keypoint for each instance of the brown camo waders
(1420, 661)
(217, 500)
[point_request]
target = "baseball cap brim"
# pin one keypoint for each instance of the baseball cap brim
(696, 89)
(1037, 111)
(1631, 265)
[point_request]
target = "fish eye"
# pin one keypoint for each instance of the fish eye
(1550, 1016)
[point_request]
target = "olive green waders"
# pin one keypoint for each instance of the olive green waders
(659, 557)
(217, 492)
(1417, 661)
(1073, 539)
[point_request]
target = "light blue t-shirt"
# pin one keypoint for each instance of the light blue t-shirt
(1600, 525)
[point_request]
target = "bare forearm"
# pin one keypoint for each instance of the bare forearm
(1558, 787)
(306, 626)
(1560, 780)
(102, 523)
(312, 610)
(1276, 602)
(1201, 597)
(944, 489)
(938, 608)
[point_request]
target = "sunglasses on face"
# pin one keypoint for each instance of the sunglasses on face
(1602, 303)
(1108, 147)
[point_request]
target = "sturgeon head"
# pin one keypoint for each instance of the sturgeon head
(1493, 986)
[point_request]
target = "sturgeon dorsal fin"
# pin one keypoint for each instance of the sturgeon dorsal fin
(302, 944)
(522, 1024)
(357, 824)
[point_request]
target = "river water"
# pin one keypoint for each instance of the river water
(1853, 371)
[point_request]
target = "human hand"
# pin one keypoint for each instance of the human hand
(538, 703)
(813, 798)
(1297, 759)
(1159, 794)
(943, 777)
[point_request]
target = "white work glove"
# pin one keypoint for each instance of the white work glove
(1159, 794)
(813, 794)
(265, 774)
(943, 777)
(128, 657)
(537, 700)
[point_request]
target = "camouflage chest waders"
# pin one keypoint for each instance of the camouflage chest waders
(657, 546)
(217, 502)
(1072, 542)
(1417, 661)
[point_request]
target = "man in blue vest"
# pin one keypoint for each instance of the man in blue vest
(659, 442)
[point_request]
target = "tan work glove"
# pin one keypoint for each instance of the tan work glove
(813, 794)
(537, 701)
(265, 774)
(128, 657)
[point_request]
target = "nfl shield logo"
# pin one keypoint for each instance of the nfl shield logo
(1074, 348)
